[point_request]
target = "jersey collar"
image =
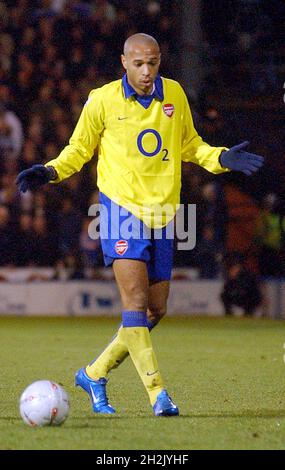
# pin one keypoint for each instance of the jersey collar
(145, 100)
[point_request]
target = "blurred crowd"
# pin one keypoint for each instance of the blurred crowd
(52, 53)
(244, 44)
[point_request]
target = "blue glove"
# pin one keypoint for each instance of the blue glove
(35, 177)
(238, 160)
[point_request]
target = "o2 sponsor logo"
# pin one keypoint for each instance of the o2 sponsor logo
(157, 149)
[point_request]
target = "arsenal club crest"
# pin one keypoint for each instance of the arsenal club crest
(168, 109)
(121, 247)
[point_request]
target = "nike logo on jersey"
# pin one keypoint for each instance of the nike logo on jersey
(121, 118)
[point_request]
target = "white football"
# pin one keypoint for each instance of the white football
(44, 403)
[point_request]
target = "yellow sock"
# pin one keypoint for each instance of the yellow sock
(112, 356)
(138, 342)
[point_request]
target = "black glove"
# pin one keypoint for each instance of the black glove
(35, 177)
(237, 159)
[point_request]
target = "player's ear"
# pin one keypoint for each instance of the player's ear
(124, 62)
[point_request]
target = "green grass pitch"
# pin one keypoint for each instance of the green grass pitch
(226, 374)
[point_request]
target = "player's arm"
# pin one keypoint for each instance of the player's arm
(215, 159)
(80, 149)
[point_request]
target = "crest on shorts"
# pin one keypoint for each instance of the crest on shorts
(168, 109)
(121, 247)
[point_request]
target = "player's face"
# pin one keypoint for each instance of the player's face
(142, 63)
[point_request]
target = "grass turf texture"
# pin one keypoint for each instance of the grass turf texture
(226, 375)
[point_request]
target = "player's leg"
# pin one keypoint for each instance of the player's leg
(159, 270)
(135, 332)
(116, 351)
(133, 284)
(157, 307)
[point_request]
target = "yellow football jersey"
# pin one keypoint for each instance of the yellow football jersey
(139, 149)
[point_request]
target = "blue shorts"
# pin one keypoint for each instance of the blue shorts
(124, 236)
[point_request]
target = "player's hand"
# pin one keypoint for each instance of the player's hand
(238, 160)
(35, 177)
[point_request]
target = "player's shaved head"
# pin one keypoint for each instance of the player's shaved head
(140, 39)
(141, 60)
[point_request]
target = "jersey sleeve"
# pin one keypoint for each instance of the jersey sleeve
(83, 141)
(194, 149)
